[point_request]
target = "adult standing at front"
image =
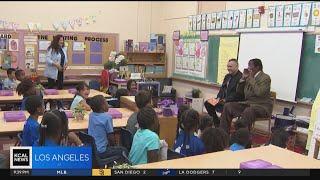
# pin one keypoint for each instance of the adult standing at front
(56, 62)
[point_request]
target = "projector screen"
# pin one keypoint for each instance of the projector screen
(280, 55)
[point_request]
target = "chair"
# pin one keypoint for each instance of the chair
(167, 82)
(316, 148)
(126, 138)
(273, 96)
(93, 84)
(173, 155)
(97, 161)
(19, 141)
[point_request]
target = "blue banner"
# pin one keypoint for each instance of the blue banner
(61, 158)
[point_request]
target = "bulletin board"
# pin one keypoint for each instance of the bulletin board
(86, 51)
(220, 49)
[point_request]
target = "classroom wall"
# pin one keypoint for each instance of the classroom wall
(184, 87)
(132, 20)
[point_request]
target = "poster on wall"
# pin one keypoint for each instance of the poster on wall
(194, 23)
(315, 15)
(287, 15)
(29, 63)
(43, 45)
(224, 20)
(192, 48)
(179, 48)
(242, 18)
(200, 56)
(185, 60)
(78, 46)
(219, 20)
(306, 8)
(191, 60)
(296, 13)
(208, 21)
(29, 49)
(317, 44)
(190, 19)
(13, 44)
(236, 16)
(178, 62)
(185, 48)
(3, 44)
(230, 19)
(271, 16)
(256, 18)
(199, 22)
(6, 62)
(213, 21)
(249, 18)
(42, 57)
(203, 21)
(279, 16)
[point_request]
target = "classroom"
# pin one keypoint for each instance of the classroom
(157, 85)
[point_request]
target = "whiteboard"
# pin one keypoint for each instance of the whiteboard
(280, 55)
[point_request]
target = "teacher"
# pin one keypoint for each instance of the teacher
(56, 62)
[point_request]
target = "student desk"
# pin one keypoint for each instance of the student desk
(168, 125)
(63, 95)
(231, 160)
(9, 128)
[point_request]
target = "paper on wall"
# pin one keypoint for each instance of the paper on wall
(42, 57)
(29, 63)
(78, 46)
(208, 21)
(13, 44)
(279, 16)
(242, 18)
(219, 20)
(315, 18)
(271, 16)
(225, 20)
(317, 44)
(249, 18)
(43, 45)
(256, 18)
(236, 16)
(287, 15)
(230, 19)
(296, 13)
(213, 21)
(306, 8)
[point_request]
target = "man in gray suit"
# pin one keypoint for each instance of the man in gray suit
(255, 86)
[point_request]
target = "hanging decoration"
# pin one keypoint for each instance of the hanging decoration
(30, 26)
(72, 22)
(56, 26)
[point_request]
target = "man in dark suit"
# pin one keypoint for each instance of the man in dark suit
(227, 92)
(255, 86)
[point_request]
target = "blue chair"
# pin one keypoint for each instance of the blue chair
(94, 85)
(99, 162)
(19, 141)
(126, 138)
(174, 155)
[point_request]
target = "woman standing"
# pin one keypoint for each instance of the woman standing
(56, 62)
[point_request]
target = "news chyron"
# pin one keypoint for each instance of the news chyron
(50, 161)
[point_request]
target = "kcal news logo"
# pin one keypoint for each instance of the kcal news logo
(20, 157)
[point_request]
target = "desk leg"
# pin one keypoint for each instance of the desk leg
(316, 150)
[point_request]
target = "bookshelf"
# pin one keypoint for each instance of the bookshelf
(152, 63)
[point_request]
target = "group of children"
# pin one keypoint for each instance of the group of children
(195, 134)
